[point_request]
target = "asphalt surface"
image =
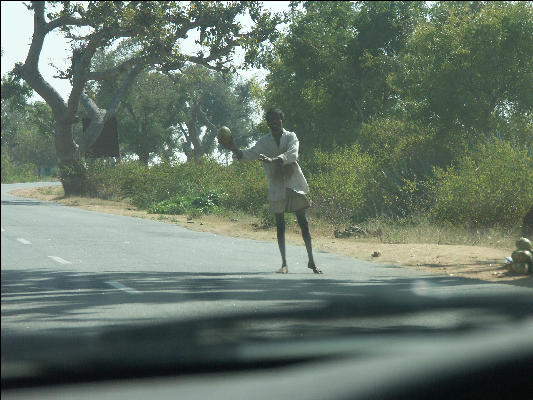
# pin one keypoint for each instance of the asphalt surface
(69, 269)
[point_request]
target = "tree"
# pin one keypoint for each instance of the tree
(27, 135)
(35, 144)
(27, 129)
(156, 28)
(14, 99)
(468, 70)
(166, 113)
(148, 111)
(208, 101)
(330, 72)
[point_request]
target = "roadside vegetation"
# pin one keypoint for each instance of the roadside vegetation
(415, 122)
(456, 209)
(13, 173)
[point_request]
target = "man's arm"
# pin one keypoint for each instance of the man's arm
(291, 155)
(233, 147)
(275, 160)
(237, 152)
(253, 153)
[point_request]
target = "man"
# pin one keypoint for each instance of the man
(287, 186)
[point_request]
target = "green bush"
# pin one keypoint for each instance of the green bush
(204, 204)
(493, 185)
(405, 153)
(340, 182)
(268, 220)
(246, 187)
(175, 206)
(14, 173)
(208, 202)
(120, 180)
(241, 186)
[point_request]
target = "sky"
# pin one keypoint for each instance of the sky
(17, 30)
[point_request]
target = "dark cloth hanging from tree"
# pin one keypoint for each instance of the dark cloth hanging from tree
(107, 143)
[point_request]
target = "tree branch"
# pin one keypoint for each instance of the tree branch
(212, 126)
(30, 70)
(112, 73)
(96, 125)
(117, 98)
(64, 20)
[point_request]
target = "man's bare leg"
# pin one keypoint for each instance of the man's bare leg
(306, 235)
(280, 229)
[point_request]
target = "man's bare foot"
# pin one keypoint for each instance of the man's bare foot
(283, 270)
(314, 268)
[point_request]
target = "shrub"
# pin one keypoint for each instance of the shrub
(246, 187)
(175, 206)
(75, 178)
(340, 182)
(405, 153)
(12, 172)
(493, 185)
(268, 220)
(208, 202)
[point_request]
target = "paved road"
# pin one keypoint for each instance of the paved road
(66, 268)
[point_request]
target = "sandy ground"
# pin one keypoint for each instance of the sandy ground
(474, 262)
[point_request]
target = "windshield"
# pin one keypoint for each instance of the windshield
(187, 180)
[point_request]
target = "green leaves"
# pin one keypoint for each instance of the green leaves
(494, 185)
(15, 93)
(469, 60)
(330, 73)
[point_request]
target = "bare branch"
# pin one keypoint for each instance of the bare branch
(94, 111)
(81, 60)
(205, 63)
(121, 92)
(30, 70)
(207, 120)
(96, 125)
(114, 72)
(62, 21)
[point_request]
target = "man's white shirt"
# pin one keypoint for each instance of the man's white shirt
(279, 177)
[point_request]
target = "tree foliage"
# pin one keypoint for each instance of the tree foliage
(156, 29)
(470, 67)
(166, 113)
(414, 85)
(330, 72)
(27, 129)
(207, 101)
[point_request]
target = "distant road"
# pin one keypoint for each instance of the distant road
(67, 268)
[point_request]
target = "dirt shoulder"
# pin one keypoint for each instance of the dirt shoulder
(474, 262)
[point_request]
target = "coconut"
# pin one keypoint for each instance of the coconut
(522, 256)
(224, 136)
(521, 268)
(523, 244)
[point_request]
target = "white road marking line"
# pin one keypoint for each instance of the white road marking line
(23, 241)
(120, 286)
(59, 260)
(3, 230)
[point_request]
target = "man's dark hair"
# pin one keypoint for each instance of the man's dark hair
(275, 111)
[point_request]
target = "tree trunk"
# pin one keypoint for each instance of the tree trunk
(144, 157)
(72, 172)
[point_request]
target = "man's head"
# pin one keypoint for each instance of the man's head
(274, 119)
